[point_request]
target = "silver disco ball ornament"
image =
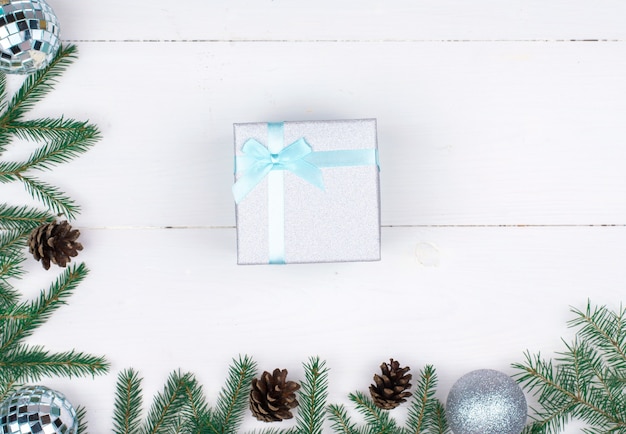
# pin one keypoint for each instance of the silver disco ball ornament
(29, 35)
(486, 402)
(37, 410)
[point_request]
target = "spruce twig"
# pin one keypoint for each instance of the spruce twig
(34, 363)
(22, 218)
(81, 416)
(64, 139)
(163, 416)
(426, 413)
(340, 420)
(37, 85)
(312, 397)
(233, 399)
(128, 403)
(30, 315)
(585, 381)
(378, 421)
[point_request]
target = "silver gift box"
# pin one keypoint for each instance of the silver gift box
(284, 217)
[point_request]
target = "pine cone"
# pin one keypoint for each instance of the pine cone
(272, 397)
(54, 242)
(391, 387)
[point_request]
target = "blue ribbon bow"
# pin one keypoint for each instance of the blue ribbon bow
(258, 162)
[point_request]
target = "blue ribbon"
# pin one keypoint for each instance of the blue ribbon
(299, 158)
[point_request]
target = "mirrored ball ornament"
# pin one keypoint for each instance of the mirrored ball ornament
(29, 35)
(486, 402)
(37, 410)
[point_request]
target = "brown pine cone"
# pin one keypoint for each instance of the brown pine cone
(54, 242)
(392, 386)
(272, 397)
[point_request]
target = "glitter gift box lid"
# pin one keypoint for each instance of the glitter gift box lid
(291, 212)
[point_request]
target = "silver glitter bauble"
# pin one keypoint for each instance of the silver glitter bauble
(37, 410)
(486, 402)
(29, 35)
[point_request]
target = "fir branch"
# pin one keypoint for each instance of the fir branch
(164, 413)
(340, 420)
(8, 294)
(22, 218)
(584, 384)
(128, 403)
(37, 312)
(60, 129)
(275, 431)
(81, 416)
(440, 423)
(427, 413)
(233, 398)
(12, 243)
(58, 151)
(51, 196)
(421, 416)
(26, 364)
(196, 413)
(378, 420)
(604, 329)
(37, 85)
(9, 171)
(312, 397)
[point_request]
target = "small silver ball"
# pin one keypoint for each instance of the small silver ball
(486, 402)
(29, 35)
(37, 409)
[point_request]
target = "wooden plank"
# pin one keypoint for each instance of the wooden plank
(471, 134)
(331, 20)
(159, 300)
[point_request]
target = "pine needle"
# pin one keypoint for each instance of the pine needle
(81, 415)
(312, 397)
(128, 403)
(22, 218)
(34, 363)
(37, 85)
(163, 416)
(49, 129)
(33, 314)
(585, 382)
(340, 420)
(51, 196)
(233, 399)
(378, 420)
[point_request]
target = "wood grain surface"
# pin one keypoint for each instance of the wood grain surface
(503, 154)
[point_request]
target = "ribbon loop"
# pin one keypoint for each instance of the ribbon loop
(257, 162)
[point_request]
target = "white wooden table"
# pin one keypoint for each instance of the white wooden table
(502, 135)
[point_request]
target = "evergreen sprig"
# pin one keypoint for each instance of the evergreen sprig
(63, 139)
(586, 381)
(128, 403)
(182, 407)
(20, 363)
(312, 397)
(426, 413)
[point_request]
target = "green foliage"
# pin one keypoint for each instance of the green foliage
(63, 139)
(20, 363)
(312, 397)
(128, 403)
(426, 413)
(182, 407)
(586, 381)
(233, 398)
